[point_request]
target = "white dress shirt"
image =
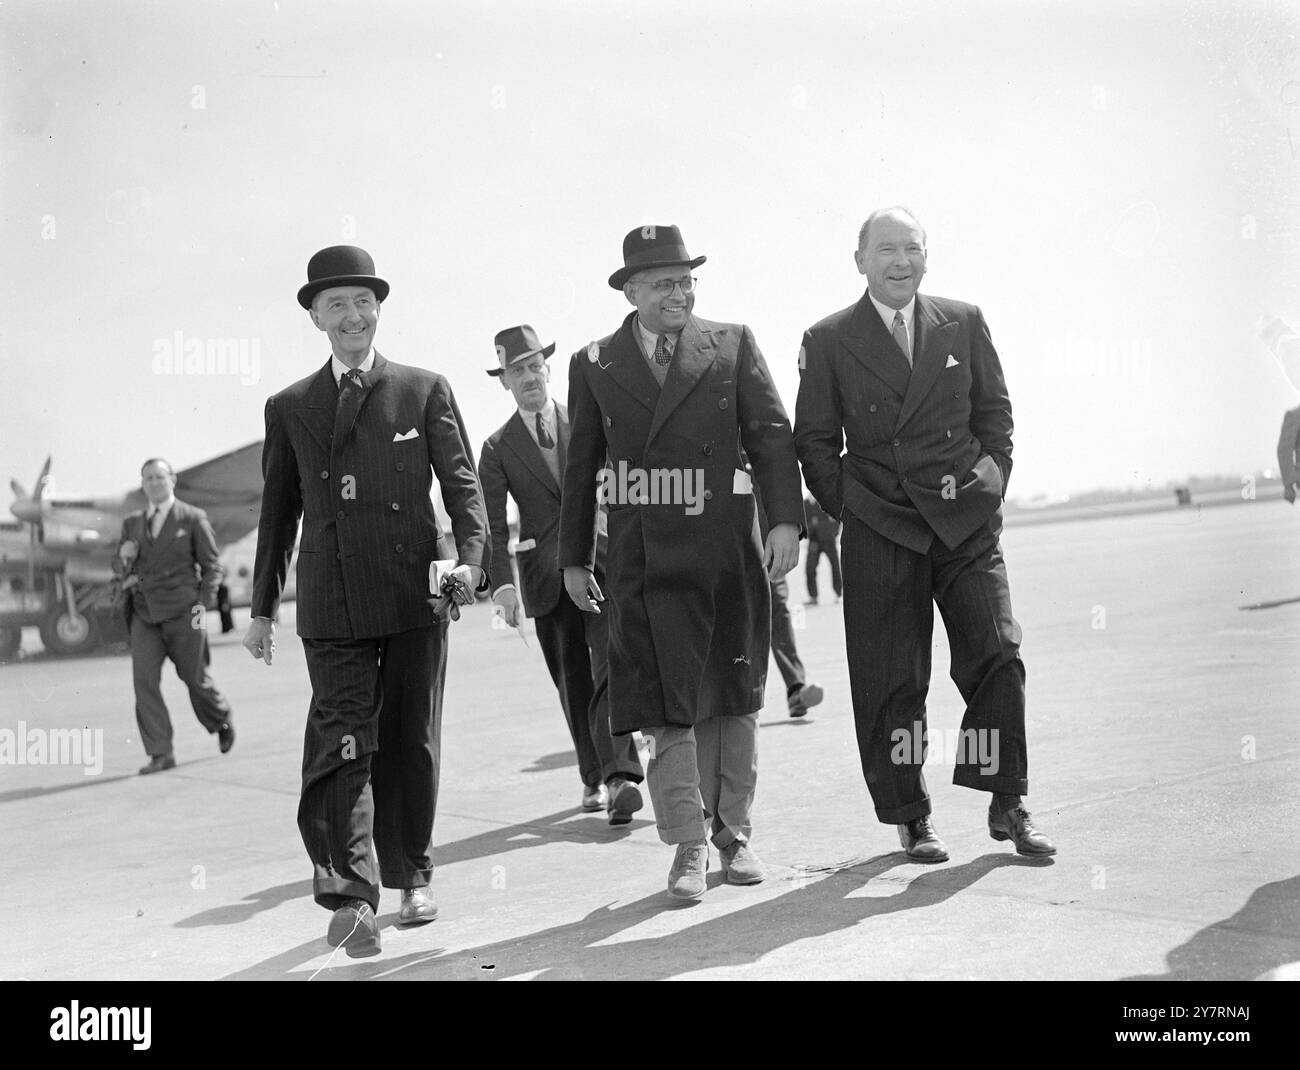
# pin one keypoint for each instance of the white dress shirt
(887, 314)
(340, 369)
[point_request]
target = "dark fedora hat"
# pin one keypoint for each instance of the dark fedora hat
(652, 247)
(518, 343)
(341, 265)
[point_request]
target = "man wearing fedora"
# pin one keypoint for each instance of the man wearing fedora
(352, 451)
(903, 424)
(672, 400)
(524, 458)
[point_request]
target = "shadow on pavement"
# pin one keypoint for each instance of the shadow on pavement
(1262, 936)
(561, 759)
(234, 913)
(16, 794)
(579, 950)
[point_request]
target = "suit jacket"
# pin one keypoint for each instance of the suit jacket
(177, 571)
(512, 463)
(913, 453)
(362, 491)
(689, 610)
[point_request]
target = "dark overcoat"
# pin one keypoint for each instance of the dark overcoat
(685, 586)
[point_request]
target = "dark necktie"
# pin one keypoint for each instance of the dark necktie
(154, 525)
(662, 354)
(351, 391)
(544, 436)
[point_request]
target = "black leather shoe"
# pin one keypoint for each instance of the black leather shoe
(921, 842)
(624, 801)
(354, 928)
(226, 737)
(1014, 825)
(807, 696)
(158, 763)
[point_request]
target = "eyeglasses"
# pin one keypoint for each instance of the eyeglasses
(666, 286)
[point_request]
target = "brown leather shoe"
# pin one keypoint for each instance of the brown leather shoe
(1014, 825)
(417, 907)
(801, 701)
(158, 763)
(354, 928)
(921, 842)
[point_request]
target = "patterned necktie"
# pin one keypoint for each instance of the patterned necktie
(900, 336)
(662, 354)
(544, 436)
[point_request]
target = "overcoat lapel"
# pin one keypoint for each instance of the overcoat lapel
(625, 364)
(691, 359)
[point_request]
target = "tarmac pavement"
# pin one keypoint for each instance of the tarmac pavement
(1164, 763)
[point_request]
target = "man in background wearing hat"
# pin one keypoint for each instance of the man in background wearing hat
(352, 450)
(525, 458)
(671, 400)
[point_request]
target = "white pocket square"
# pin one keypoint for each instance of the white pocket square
(413, 433)
(952, 361)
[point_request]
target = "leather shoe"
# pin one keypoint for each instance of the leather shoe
(801, 701)
(740, 865)
(921, 842)
(686, 878)
(417, 907)
(158, 763)
(594, 799)
(226, 737)
(1014, 825)
(624, 801)
(354, 928)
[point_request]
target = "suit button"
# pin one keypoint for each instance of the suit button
(896, 442)
(401, 467)
(708, 449)
(324, 475)
(398, 547)
(872, 409)
(396, 507)
(341, 514)
(722, 403)
(708, 494)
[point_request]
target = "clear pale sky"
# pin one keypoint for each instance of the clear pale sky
(1115, 184)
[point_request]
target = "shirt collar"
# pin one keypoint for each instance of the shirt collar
(649, 340)
(548, 417)
(340, 369)
(887, 313)
(163, 507)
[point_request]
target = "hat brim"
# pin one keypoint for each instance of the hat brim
(545, 351)
(372, 282)
(620, 277)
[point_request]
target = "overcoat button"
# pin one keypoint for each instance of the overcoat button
(708, 495)
(396, 507)
(324, 475)
(722, 403)
(341, 514)
(398, 547)
(873, 408)
(896, 442)
(401, 467)
(708, 450)
(339, 555)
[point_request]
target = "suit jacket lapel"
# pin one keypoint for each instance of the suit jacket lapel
(625, 364)
(516, 436)
(934, 338)
(317, 413)
(691, 359)
(874, 347)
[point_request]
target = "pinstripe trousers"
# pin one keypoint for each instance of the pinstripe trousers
(370, 762)
(889, 598)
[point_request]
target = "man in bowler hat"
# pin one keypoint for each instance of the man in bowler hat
(672, 400)
(524, 458)
(352, 451)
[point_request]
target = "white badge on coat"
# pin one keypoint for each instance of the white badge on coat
(741, 483)
(952, 361)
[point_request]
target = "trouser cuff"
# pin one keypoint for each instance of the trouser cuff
(901, 815)
(1006, 785)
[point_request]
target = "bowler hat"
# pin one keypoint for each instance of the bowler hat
(518, 343)
(652, 247)
(341, 265)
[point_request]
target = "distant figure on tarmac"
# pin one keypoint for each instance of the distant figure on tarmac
(903, 426)
(1288, 454)
(524, 459)
(822, 533)
(168, 560)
